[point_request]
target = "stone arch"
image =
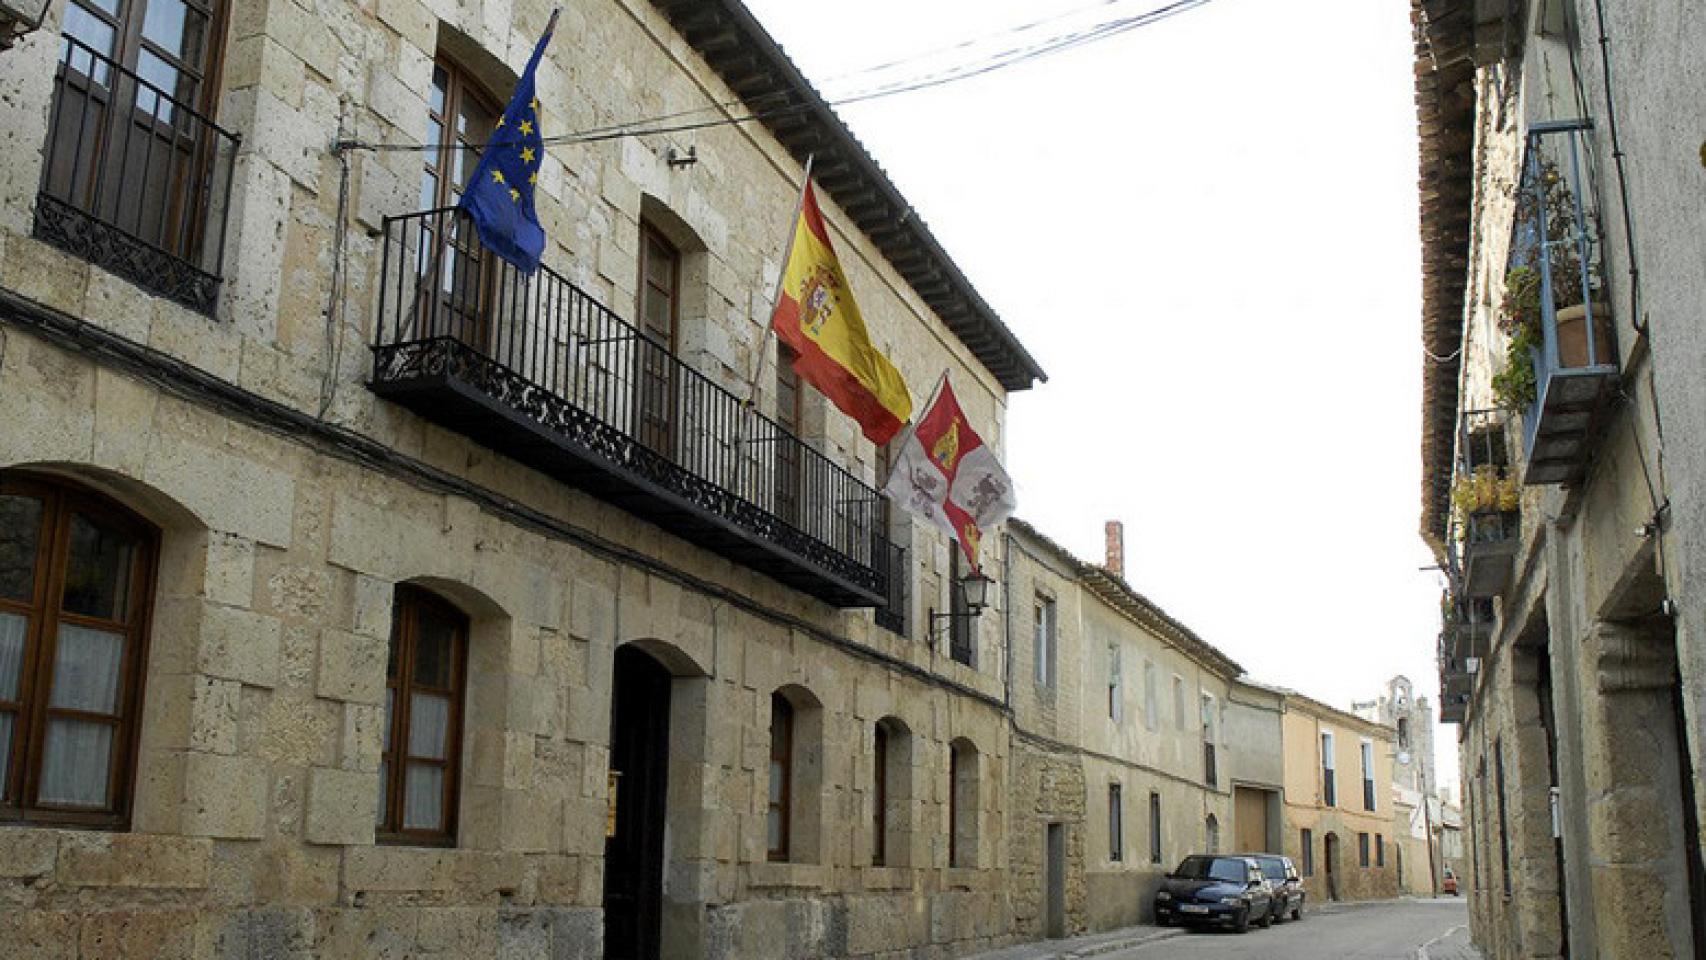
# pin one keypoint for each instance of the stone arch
(892, 760)
(802, 775)
(678, 661)
(965, 776)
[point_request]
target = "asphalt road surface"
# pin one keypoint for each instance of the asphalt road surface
(1393, 930)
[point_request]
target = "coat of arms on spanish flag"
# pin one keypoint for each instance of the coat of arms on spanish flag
(945, 473)
(816, 316)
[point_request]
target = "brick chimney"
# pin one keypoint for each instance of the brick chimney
(1116, 548)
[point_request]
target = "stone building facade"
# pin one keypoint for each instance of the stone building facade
(1560, 188)
(1338, 804)
(360, 597)
(1417, 808)
(1134, 744)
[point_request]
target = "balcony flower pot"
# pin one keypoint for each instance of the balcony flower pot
(1573, 336)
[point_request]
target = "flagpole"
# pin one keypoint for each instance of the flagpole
(754, 391)
(899, 441)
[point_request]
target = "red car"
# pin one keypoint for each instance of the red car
(1449, 884)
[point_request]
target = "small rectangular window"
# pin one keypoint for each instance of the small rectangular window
(1308, 853)
(1149, 707)
(1367, 775)
(1362, 849)
(1329, 789)
(1380, 850)
(1116, 829)
(1045, 640)
(1115, 692)
(1155, 828)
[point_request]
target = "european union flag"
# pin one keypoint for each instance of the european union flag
(500, 192)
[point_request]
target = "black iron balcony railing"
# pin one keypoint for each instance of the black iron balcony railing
(892, 615)
(135, 180)
(535, 368)
(1555, 277)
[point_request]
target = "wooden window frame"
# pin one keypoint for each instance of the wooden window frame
(782, 719)
(60, 500)
(460, 86)
(409, 600)
(463, 312)
(656, 371)
(1362, 849)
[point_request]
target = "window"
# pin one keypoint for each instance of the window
(1380, 850)
(1211, 834)
(1403, 731)
(1044, 642)
(880, 796)
(1149, 707)
(1179, 702)
(1504, 825)
(129, 145)
(892, 615)
(658, 307)
(962, 804)
(76, 572)
(960, 624)
(788, 462)
(460, 117)
(781, 776)
(1116, 830)
(1210, 735)
(1154, 827)
(1362, 849)
(1367, 775)
(1115, 693)
(1308, 842)
(1329, 790)
(425, 677)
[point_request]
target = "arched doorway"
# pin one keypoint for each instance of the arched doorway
(639, 772)
(1330, 856)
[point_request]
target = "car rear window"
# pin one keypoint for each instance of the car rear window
(1212, 868)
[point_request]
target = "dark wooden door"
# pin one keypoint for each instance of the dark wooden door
(460, 274)
(639, 764)
(126, 144)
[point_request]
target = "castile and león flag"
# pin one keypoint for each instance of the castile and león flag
(945, 473)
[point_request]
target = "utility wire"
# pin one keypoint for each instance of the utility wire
(654, 126)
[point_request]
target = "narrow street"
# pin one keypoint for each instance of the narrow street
(1398, 930)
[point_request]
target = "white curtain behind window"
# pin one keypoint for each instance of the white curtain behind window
(77, 754)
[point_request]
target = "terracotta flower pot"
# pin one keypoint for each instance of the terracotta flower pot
(1573, 336)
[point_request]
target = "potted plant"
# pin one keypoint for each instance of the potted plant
(1486, 500)
(1516, 385)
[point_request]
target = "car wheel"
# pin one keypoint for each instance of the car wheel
(1267, 917)
(1297, 912)
(1241, 923)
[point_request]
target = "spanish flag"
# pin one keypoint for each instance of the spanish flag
(816, 316)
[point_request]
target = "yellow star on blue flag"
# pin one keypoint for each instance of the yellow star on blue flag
(499, 197)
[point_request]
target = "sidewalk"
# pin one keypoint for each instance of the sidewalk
(1092, 945)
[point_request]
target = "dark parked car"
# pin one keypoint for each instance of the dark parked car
(1285, 887)
(1214, 890)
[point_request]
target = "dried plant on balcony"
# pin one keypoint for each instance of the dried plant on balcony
(1486, 489)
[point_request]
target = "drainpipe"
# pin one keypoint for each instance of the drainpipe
(1007, 620)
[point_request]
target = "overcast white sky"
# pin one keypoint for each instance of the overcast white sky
(1205, 231)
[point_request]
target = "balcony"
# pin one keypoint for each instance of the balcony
(539, 371)
(1556, 309)
(1456, 683)
(1485, 502)
(1468, 629)
(134, 180)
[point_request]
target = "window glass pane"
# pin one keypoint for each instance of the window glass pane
(86, 669)
(776, 781)
(429, 191)
(773, 830)
(440, 85)
(5, 750)
(435, 642)
(75, 758)
(429, 714)
(164, 23)
(162, 76)
(390, 704)
(97, 573)
(92, 31)
(20, 532)
(423, 797)
(12, 627)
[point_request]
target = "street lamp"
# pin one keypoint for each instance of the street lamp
(18, 17)
(974, 595)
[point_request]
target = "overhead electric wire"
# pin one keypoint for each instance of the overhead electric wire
(947, 75)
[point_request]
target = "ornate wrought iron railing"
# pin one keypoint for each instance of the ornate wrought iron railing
(134, 179)
(599, 403)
